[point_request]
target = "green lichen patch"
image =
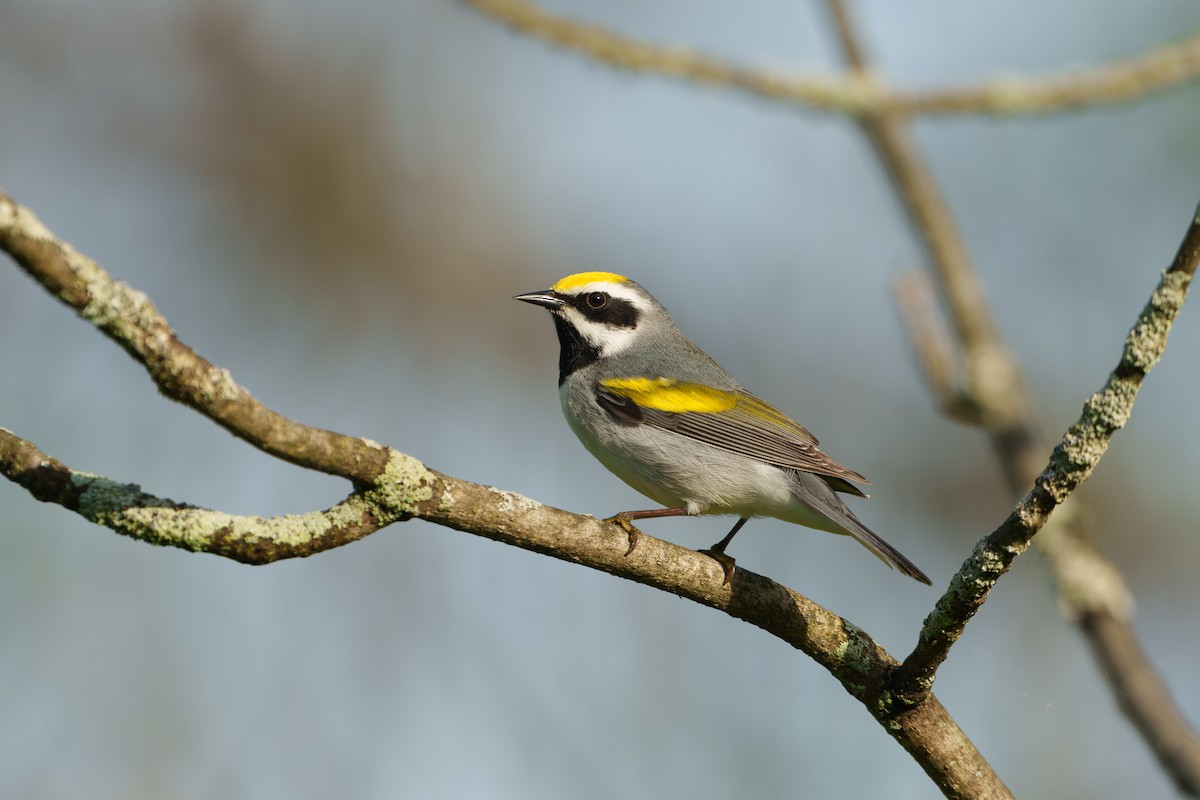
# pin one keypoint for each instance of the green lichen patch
(21, 219)
(403, 486)
(222, 386)
(857, 660)
(188, 528)
(1147, 339)
(203, 530)
(446, 501)
(117, 307)
(513, 503)
(100, 495)
(125, 508)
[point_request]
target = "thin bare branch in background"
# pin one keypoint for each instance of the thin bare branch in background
(1163, 68)
(938, 355)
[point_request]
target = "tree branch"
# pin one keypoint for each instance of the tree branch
(1163, 68)
(846, 651)
(403, 488)
(126, 509)
(1071, 463)
(129, 318)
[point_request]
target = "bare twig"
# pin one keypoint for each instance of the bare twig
(1143, 697)
(937, 354)
(1163, 68)
(1087, 583)
(404, 488)
(1127, 80)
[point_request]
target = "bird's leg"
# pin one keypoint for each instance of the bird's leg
(717, 551)
(624, 517)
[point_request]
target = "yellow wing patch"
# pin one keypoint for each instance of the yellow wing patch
(678, 397)
(668, 394)
(584, 278)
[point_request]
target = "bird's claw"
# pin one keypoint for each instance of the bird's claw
(632, 532)
(727, 563)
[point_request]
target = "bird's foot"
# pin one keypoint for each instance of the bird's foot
(727, 562)
(633, 533)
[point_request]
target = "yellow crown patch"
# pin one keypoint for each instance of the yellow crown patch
(584, 278)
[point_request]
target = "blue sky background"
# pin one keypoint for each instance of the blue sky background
(336, 203)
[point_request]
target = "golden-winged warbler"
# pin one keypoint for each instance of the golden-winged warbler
(670, 422)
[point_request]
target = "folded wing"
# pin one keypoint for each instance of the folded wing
(736, 421)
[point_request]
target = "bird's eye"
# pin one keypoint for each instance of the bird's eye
(597, 299)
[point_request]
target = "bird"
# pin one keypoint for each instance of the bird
(665, 418)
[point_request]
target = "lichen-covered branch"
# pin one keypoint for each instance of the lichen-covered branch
(126, 509)
(408, 489)
(1072, 461)
(128, 317)
(391, 486)
(1165, 67)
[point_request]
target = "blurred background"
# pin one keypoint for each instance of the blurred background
(337, 203)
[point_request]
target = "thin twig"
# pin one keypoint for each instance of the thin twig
(936, 353)
(1124, 81)
(1143, 697)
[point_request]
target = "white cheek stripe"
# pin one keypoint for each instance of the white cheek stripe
(608, 340)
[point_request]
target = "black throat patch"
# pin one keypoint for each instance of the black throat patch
(574, 351)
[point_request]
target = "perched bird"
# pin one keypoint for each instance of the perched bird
(664, 417)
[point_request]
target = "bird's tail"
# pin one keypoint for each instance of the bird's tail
(819, 496)
(886, 553)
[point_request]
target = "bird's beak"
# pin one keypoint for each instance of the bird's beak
(545, 299)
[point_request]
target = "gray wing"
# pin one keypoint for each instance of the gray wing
(752, 428)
